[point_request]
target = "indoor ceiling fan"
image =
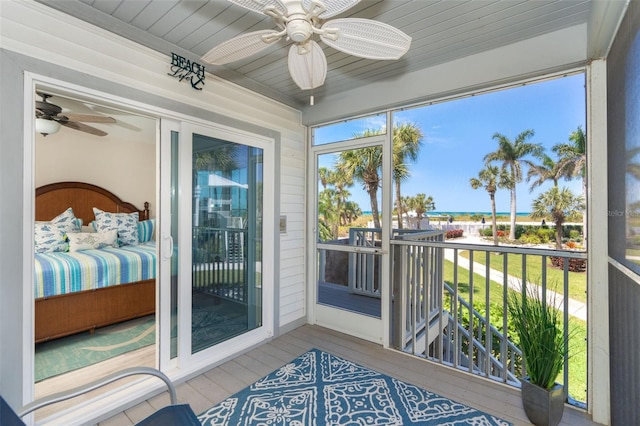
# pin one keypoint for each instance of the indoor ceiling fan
(298, 20)
(49, 118)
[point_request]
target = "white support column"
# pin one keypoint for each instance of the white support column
(598, 396)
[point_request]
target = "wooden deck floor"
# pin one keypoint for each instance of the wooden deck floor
(224, 380)
(338, 296)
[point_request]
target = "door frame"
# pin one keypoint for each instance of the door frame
(363, 326)
(141, 387)
(187, 361)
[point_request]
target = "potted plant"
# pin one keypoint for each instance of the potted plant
(538, 324)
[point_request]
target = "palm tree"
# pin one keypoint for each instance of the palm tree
(404, 203)
(510, 154)
(491, 178)
(559, 204)
(364, 165)
(573, 155)
(213, 159)
(407, 139)
(333, 198)
(420, 204)
(573, 161)
(326, 176)
(328, 217)
(548, 169)
(351, 211)
(341, 183)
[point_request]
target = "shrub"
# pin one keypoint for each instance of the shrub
(496, 315)
(574, 234)
(568, 229)
(575, 265)
(487, 232)
(546, 234)
(453, 233)
(530, 239)
(520, 230)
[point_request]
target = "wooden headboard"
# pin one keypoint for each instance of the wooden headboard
(54, 198)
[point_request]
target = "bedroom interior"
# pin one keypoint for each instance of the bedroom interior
(67, 177)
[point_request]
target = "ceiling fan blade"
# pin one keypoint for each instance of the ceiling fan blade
(260, 5)
(333, 7)
(47, 109)
(241, 46)
(83, 128)
(88, 118)
(365, 38)
(307, 65)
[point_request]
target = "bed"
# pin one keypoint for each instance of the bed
(81, 300)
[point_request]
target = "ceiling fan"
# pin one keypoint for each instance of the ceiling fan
(298, 20)
(49, 118)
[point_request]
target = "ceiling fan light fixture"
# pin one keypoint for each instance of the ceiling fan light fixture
(47, 127)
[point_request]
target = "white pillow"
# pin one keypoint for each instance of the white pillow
(125, 223)
(92, 240)
(68, 220)
(49, 237)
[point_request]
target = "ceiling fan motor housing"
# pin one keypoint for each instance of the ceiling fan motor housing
(299, 29)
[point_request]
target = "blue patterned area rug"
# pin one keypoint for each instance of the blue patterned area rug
(319, 388)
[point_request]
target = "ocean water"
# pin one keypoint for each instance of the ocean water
(454, 214)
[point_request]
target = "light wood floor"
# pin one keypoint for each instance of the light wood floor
(224, 380)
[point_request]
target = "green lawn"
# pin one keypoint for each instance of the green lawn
(578, 328)
(555, 277)
(479, 287)
(633, 252)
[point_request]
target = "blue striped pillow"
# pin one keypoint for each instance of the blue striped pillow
(145, 230)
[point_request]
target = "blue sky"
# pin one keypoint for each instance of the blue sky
(458, 134)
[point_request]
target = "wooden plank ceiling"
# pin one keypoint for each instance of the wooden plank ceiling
(441, 31)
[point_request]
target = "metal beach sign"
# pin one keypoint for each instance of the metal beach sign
(182, 68)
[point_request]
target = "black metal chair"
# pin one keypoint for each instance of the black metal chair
(174, 414)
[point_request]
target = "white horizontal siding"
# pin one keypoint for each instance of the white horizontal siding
(292, 253)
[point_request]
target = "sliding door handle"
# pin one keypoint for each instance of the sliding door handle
(169, 239)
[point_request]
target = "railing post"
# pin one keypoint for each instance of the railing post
(398, 297)
(322, 264)
(353, 260)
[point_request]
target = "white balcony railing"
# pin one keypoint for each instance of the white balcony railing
(433, 291)
(449, 303)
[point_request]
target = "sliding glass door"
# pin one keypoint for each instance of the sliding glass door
(226, 247)
(218, 210)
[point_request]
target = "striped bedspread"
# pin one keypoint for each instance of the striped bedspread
(62, 273)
